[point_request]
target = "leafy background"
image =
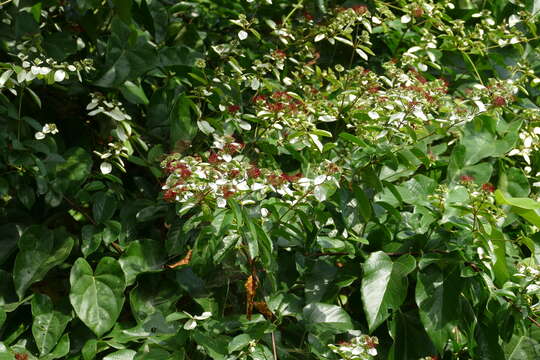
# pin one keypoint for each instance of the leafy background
(389, 151)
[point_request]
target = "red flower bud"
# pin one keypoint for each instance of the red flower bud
(487, 187)
(498, 101)
(254, 172)
(213, 158)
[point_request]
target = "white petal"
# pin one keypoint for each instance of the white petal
(242, 35)
(319, 37)
(59, 75)
(405, 19)
(105, 168)
(221, 202)
(373, 115)
(257, 186)
(243, 186)
(203, 316)
(39, 135)
(319, 179)
(190, 324)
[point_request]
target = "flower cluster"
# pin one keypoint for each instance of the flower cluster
(47, 129)
(111, 108)
(362, 347)
(216, 176)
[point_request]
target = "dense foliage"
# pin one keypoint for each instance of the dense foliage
(269, 179)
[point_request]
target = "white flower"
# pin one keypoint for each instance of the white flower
(242, 35)
(59, 75)
(105, 168)
(405, 19)
(221, 202)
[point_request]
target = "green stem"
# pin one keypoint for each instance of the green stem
(295, 7)
(473, 66)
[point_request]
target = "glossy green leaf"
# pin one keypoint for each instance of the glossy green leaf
(384, 285)
(97, 297)
(124, 354)
(437, 296)
(514, 183)
(406, 329)
(239, 342)
(104, 207)
(39, 251)
(326, 317)
(216, 346)
(523, 203)
(91, 238)
(48, 325)
(522, 348)
(60, 350)
(142, 256)
(488, 345)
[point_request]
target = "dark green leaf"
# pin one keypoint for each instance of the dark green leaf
(97, 297)
(104, 207)
(384, 285)
(142, 256)
(40, 251)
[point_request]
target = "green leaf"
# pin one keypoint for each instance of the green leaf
(496, 246)
(525, 207)
(183, 127)
(48, 324)
(40, 251)
(134, 93)
(153, 354)
(410, 339)
(124, 354)
(97, 297)
(71, 173)
(9, 238)
(142, 256)
(2, 316)
(215, 345)
(522, 348)
(178, 56)
(123, 9)
(239, 342)
(514, 183)
(91, 238)
(384, 285)
(326, 317)
(354, 139)
(487, 343)
(60, 350)
(104, 207)
(129, 55)
(437, 296)
(523, 203)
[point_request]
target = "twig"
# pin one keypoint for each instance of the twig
(81, 210)
(338, 253)
(274, 350)
(399, 253)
